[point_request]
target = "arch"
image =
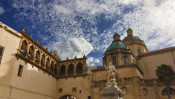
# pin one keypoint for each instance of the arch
(79, 69)
(68, 97)
(31, 52)
(52, 67)
(71, 69)
(62, 70)
(55, 70)
(24, 47)
(47, 63)
(43, 60)
(37, 56)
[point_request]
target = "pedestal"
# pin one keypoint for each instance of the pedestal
(112, 92)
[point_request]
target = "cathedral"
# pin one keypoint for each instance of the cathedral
(28, 70)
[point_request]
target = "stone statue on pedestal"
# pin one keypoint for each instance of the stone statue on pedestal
(111, 90)
(111, 76)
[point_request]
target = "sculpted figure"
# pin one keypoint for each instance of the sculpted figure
(111, 75)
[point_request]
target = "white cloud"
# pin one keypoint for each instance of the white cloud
(92, 7)
(128, 2)
(61, 9)
(91, 61)
(72, 47)
(151, 20)
(1, 10)
(154, 23)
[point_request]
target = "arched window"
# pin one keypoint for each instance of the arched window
(24, 47)
(52, 66)
(43, 60)
(139, 51)
(37, 56)
(55, 70)
(62, 70)
(47, 63)
(71, 69)
(31, 52)
(79, 69)
(125, 60)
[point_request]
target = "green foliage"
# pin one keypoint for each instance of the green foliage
(165, 73)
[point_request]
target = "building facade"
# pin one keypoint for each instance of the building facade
(28, 70)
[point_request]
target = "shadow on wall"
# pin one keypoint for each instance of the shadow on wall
(7, 70)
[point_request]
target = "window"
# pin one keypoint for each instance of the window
(114, 60)
(79, 69)
(138, 51)
(89, 97)
(55, 70)
(24, 48)
(20, 70)
(31, 52)
(71, 69)
(125, 60)
(74, 89)
(1, 53)
(62, 70)
(60, 90)
(48, 63)
(37, 57)
(43, 60)
(52, 67)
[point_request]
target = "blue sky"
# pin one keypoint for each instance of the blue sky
(78, 27)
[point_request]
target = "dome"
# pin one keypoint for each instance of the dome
(116, 34)
(131, 38)
(117, 44)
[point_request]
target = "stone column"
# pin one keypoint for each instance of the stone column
(66, 69)
(75, 67)
(28, 47)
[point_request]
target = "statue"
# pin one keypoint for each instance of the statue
(111, 76)
(111, 90)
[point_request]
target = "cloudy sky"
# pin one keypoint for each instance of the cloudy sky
(78, 27)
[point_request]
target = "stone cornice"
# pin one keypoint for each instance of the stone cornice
(72, 76)
(119, 50)
(120, 66)
(170, 49)
(9, 30)
(71, 60)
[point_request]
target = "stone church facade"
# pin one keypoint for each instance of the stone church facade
(30, 71)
